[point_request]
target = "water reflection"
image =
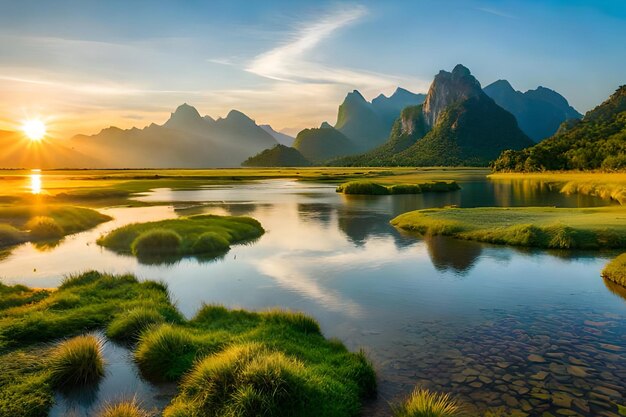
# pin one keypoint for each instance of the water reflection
(456, 255)
(35, 181)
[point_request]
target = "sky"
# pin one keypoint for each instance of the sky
(82, 65)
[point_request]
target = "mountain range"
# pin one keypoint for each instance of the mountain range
(597, 141)
(539, 112)
(361, 125)
(458, 124)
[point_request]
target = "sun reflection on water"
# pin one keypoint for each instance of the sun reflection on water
(35, 181)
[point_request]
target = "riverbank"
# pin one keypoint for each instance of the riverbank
(542, 227)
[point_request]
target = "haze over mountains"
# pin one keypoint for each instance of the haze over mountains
(457, 123)
(539, 112)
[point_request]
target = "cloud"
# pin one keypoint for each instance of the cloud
(288, 62)
(495, 12)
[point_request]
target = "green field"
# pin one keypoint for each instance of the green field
(544, 227)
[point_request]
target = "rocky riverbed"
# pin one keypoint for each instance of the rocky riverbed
(569, 362)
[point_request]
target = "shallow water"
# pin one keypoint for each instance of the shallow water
(456, 316)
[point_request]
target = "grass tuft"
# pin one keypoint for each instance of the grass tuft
(616, 270)
(128, 327)
(423, 403)
(293, 319)
(77, 362)
(244, 380)
(210, 242)
(166, 352)
(42, 227)
(156, 242)
(123, 409)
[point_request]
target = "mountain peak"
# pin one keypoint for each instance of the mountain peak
(355, 97)
(502, 85)
(237, 115)
(461, 71)
(185, 117)
(448, 88)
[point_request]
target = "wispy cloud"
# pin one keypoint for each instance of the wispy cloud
(496, 12)
(289, 61)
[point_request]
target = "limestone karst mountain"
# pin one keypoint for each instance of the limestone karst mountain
(458, 124)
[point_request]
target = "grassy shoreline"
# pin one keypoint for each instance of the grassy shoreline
(44, 223)
(542, 227)
(216, 356)
(616, 270)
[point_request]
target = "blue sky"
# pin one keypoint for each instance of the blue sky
(89, 64)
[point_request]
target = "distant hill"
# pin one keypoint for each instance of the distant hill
(280, 137)
(19, 152)
(539, 112)
(598, 141)
(324, 143)
(185, 140)
(366, 124)
(278, 156)
(458, 124)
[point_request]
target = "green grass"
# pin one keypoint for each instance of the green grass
(36, 223)
(128, 327)
(543, 227)
(156, 242)
(17, 295)
(76, 362)
(294, 368)
(372, 188)
(423, 403)
(128, 408)
(194, 235)
(616, 270)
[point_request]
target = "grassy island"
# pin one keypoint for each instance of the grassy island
(543, 227)
(36, 223)
(616, 270)
(372, 188)
(193, 235)
(226, 362)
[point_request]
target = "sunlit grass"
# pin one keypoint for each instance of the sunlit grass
(616, 270)
(293, 361)
(544, 227)
(20, 223)
(194, 235)
(423, 403)
(129, 408)
(76, 362)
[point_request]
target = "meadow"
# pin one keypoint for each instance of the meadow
(542, 227)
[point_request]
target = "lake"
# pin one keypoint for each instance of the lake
(504, 329)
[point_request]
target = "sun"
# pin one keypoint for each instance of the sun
(34, 129)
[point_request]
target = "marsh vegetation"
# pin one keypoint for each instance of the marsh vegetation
(193, 235)
(228, 362)
(541, 227)
(372, 188)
